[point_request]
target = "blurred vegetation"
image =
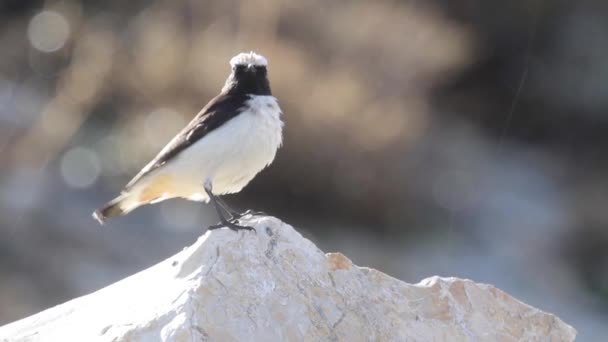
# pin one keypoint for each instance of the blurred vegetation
(465, 137)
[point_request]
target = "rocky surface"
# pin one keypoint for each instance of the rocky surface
(275, 285)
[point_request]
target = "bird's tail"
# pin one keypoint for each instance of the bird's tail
(121, 205)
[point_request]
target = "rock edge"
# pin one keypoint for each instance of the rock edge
(275, 285)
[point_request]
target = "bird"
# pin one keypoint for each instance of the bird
(234, 137)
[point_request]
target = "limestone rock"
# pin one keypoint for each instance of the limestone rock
(275, 285)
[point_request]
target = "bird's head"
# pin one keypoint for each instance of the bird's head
(248, 75)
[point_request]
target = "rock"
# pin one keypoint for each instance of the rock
(275, 285)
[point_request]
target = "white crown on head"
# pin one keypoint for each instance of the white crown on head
(250, 58)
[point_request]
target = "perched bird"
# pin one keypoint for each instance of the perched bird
(228, 142)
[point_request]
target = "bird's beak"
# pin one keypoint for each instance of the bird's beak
(250, 67)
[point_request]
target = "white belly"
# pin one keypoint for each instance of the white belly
(229, 157)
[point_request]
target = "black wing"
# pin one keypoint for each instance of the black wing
(217, 112)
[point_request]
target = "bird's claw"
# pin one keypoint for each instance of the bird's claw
(231, 225)
(236, 216)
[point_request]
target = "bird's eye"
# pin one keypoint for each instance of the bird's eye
(239, 68)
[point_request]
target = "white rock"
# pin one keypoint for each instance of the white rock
(275, 285)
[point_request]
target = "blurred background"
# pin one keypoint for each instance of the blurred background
(459, 138)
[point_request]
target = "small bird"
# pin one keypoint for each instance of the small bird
(220, 151)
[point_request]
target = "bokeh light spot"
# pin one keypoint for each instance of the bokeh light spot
(80, 167)
(48, 31)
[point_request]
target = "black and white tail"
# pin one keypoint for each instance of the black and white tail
(119, 206)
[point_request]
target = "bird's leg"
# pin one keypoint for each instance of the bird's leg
(235, 214)
(223, 221)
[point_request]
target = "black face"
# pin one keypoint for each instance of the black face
(250, 80)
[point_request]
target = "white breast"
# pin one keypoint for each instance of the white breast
(231, 155)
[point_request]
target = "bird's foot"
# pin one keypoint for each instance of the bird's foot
(230, 225)
(254, 213)
(236, 216)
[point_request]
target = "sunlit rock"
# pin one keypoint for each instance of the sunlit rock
(275, 285)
